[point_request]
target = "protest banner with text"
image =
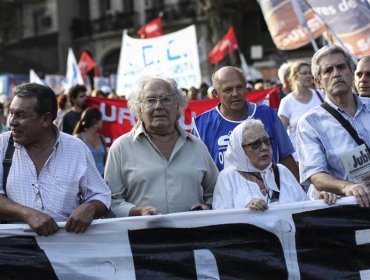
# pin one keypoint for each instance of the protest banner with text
(304, 240)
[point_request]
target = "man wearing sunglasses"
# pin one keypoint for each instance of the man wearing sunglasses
(215, 126)
(323, 141)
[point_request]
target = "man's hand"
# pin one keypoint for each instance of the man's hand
(143, 211)
(40, 222)
(366, 179)
(361, 193)
(200, 207)
(81, 218)
(257, 204)
(329, 198)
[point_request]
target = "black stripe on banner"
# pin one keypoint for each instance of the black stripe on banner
(242, 251)
(326, 242)
(21, 258)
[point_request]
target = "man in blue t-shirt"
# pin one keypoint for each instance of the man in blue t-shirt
(215, 126)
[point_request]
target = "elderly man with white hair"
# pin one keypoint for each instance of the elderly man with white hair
(158, 168)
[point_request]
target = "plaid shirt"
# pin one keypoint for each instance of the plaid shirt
(68, 178)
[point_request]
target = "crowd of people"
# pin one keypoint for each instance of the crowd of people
(239, 154)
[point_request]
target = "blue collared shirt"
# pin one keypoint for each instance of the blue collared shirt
(322, 140)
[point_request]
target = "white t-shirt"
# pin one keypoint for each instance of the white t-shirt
(293, 109)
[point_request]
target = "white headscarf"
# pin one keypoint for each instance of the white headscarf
(236, 157)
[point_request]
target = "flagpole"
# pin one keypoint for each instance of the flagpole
(244, 66)
(302, 20)
(332, 33)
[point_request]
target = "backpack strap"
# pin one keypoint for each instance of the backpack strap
(7, 162)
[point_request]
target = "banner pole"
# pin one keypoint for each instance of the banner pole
(302, 20)
(332, 32)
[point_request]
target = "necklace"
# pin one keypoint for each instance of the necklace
(256, 175)
(262, 187)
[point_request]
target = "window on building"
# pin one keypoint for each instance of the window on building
(84, 9)
(38, 16)
(128, 6)
(105, 5)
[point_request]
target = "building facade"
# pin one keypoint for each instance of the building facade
(45, 29)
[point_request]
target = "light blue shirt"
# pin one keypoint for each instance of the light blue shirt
(321, 139)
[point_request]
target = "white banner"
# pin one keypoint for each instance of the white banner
(307, 240)
(174, 55)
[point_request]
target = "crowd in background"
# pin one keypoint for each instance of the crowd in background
(255, 152)
(295, 82)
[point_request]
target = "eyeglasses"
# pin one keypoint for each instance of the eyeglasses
(307, 73)
(38, 199)
(258, 143)
(164, 100)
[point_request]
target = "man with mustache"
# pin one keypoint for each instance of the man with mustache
(215, 126)
(322, 139)
(362, 77)
(52, 176)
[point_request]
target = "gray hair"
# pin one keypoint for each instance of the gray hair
(326, 50)
(216, 77)
(365, 59)
(136, 98)
(252, 123)
(283, 72)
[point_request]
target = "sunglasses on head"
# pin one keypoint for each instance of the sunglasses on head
(258, 143)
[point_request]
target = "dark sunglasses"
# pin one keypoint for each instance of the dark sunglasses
(258, 143)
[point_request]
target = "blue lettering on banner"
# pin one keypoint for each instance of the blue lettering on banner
(169, 55)
(131, 63)
(145, 55)
(182, 67)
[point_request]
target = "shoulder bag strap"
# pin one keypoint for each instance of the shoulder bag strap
(319, 95)
(7, 162)
(346, 124)
(275, 169)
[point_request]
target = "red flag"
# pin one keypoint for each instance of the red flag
(97, 71)
(227, 45)
(151, 29)
(85, 64)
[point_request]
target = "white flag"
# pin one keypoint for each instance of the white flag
(73, 75)
(34, 78)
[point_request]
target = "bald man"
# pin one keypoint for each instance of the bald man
(362, 77)
(214, 126)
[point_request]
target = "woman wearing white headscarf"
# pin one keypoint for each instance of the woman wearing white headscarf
(248, 179)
